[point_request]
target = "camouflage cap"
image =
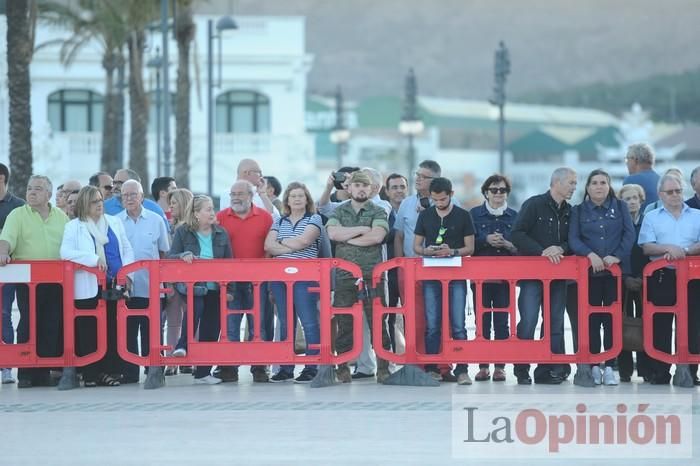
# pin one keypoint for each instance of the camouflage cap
(360, 177)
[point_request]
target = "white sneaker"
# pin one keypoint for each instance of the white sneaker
(597, 375)
(7, 376)
(208, 380)
(609, 376)
(180, 353)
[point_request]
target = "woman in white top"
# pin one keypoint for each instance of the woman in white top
(94, 239)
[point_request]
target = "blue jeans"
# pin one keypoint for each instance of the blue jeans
(493, 296)
(432, 296)
(8, 296)
(305, 307)
(529, 303)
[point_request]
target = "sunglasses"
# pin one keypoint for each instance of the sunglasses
(670, 192)
(498, 190)
(440, 238)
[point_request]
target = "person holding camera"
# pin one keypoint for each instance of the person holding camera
(444, 230)
(338, 179)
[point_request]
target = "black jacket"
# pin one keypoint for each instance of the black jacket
(185, 240)
(540, 224)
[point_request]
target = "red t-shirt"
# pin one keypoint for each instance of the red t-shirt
(247, 234)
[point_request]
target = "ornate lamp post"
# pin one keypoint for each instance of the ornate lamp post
(501, 72)
(340, 135)
(411, 125)
(224, 23)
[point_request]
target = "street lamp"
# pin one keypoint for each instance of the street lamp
(156, 63)
(501, 70)
(411, 125)
(340, 135)
(224, 23)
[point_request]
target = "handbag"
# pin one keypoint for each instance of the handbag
(632, 334)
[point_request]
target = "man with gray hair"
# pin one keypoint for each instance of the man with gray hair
(34, 231)
(113, 205)
(542, 229)
(640, 163)
(671, 232)
(149, 239)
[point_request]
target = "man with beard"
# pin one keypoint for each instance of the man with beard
(444, 230)
(358, 229)
(247, 226)
(542, 229)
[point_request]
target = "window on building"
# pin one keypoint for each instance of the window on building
(75, 110)
(242, 112)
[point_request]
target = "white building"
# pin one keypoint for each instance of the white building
(259, 109)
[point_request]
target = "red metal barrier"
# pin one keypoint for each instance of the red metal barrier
(480, 270)
(32, 274)
(686, 270)
(224, 271)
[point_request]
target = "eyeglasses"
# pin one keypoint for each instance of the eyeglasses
(257, 172)
(108, 187)
(35, 188)
(498, 190)
(242, 194)
(440, 238)
(670, 192)
(420, 176)
(130, 195)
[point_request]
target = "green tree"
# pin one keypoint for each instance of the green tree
(20, 43)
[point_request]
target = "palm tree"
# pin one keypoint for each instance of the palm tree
(20, 43)
(101, 21)
(184, 33)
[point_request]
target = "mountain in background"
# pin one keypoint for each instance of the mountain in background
(367, 46)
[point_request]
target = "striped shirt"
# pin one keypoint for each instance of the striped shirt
(285, 229)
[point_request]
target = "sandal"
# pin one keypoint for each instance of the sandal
(106, 380)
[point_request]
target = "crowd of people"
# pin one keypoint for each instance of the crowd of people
(365, 219)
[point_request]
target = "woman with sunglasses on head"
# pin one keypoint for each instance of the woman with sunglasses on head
(601, 229)
(493, 222)
(296, 236)
(94, 239)
(201, 238)
(175, 306)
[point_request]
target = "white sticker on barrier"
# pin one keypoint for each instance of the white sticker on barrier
(16, 273)
(455, 261)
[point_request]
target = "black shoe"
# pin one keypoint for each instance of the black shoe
(361, 375)
(281, 376)
(625, 378)
(696, 382)
(24, 383)
(523, 379)
(305, 376)
(549, 379)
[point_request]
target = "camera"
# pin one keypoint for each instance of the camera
(338, 180)
(424, 202)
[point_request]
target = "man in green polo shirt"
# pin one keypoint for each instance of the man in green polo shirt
(358, 229)
(35, 231)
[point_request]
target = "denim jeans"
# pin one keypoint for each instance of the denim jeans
(529, 303)
(8, 296)
(305, 307)
(432, 296)
(493, 296)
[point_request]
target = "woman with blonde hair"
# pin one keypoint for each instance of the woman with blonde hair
(178, 199)
(94, 239)
(200, 238)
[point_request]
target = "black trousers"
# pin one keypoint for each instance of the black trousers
(48, 326)
(86, 340)
(393, 285)
(209, 326)
(137, 329)
(602, 291)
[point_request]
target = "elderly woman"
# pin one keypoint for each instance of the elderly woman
(633, 196)
(601, 229)
(94, 239)
(200, 238)
(493, 222)
(178, 199)
(296, 236)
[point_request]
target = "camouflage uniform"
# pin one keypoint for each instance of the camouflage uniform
(366, 257)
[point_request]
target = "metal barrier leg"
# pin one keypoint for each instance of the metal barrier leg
(682, 376)
(413, 376)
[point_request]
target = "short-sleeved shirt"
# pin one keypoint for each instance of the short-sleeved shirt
(458, 224)
(661, 227)
(286, 229)
(406, 218)
(247, 234)
(31, 237)
(148, 237)
(113, 206)
(7, 204)
(370, 215)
